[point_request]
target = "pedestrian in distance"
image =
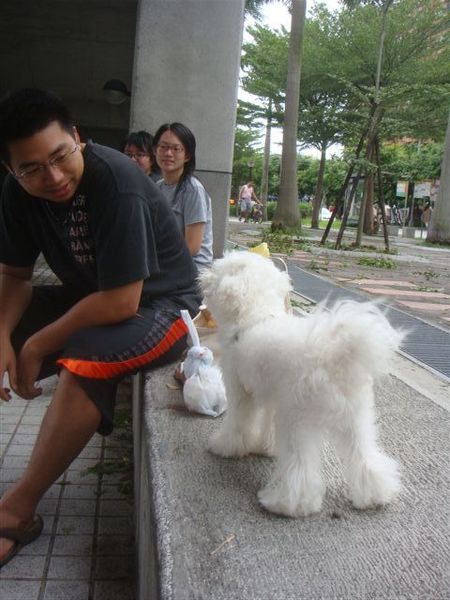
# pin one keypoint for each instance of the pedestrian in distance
(246, 196)
(426, 214)
(125, 271)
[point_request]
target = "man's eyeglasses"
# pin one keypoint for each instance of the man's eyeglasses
(174, 148)
(138, 155)
(35, 170)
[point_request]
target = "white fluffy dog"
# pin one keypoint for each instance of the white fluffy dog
(293, 382)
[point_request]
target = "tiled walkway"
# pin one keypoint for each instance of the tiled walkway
(86, 549)
(425, 343)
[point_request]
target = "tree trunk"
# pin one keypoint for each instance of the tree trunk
(341, 196)
(265, 173)
(346, 213)
(381, 203)
(439, 227)
(410, 202)
(319, 190)
(380, 49)
(368, 214)
(372, 134)
(287, 213)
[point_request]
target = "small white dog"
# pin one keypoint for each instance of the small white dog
(293, 382)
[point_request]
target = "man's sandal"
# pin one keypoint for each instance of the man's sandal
(179, 374)
(21, 537)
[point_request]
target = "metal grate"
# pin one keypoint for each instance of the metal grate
(427, 344)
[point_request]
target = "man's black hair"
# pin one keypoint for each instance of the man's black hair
(26, 111)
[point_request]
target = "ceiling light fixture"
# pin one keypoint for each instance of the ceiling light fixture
(116, 92)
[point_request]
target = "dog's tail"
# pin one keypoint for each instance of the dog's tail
(353, 335)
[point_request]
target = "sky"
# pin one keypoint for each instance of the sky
(276, 14)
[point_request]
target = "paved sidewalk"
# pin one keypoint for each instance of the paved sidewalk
(86, 551)
(425, 343)
(215, 543)
(416, 277)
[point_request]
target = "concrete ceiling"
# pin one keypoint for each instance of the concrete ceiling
(72, 47)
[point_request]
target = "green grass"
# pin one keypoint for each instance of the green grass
(122, 464)
(378, 262)
(278, 241)
(304, 245)
(427, 274)
(316, 265)
(445, 245)
(425, 288)
(306, 222)
(296, 303)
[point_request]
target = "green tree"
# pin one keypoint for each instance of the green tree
(245, 139)
(274, 176)
(380, 69)
(323, 98)
(267, 49)
(334, 176)
(287, 212)
(384, 85)
(415, 161)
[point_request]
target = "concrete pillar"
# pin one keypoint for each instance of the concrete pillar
(186, 69)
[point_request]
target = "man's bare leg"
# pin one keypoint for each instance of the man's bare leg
(68, 425)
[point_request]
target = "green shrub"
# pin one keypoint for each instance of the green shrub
(305, 209)
(379, 262)
(271, 206)
(278, 241)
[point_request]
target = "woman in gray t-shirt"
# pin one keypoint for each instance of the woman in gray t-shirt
(174, 147)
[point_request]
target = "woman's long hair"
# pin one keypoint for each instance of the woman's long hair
(187, 138)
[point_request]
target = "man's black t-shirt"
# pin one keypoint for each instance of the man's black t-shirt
(117, 229)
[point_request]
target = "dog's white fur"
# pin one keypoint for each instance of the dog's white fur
(293, 382)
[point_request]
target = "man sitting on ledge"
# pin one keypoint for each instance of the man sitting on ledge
(125, 272)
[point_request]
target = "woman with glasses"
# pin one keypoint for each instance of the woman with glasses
(174, 146)
(138, 146)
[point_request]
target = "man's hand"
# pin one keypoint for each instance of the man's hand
(15, 294)
(7, 365)
(28, 366)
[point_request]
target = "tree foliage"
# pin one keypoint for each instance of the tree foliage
(264, 63)
(339, 76)
(414, 66)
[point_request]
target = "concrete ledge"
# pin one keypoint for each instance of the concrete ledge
(392, 229)
(414, 232)
(408, 232)
(202, 535)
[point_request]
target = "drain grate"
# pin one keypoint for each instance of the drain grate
(427, 344)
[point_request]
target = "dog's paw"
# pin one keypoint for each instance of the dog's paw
(228, 446)
(273, 500)
(377, 484)
(268, 451)
(261, 447)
